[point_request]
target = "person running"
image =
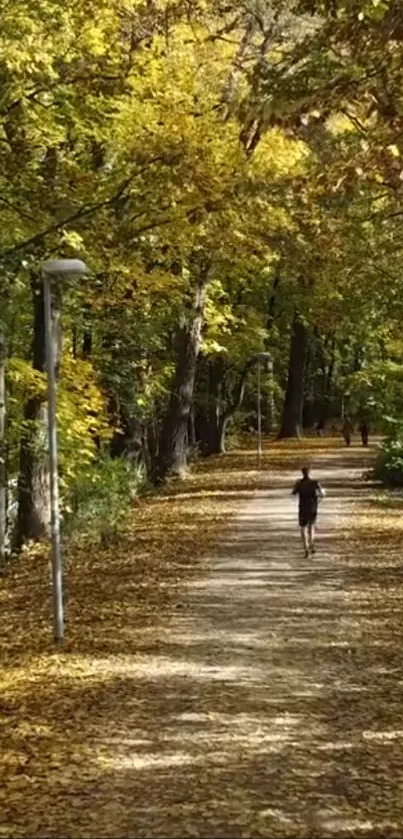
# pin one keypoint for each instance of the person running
(309, 492)
(364, 431)
(347, 431)
(320, 428)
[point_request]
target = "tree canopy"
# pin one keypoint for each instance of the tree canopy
(232, 175)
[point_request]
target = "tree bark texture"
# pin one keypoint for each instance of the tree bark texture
(33, 519)
(212, 424)
(173, 442)
(291, 421)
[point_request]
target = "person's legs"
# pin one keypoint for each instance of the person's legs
(311, 536)
(304, 536)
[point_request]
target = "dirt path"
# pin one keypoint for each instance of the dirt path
(270, 700)
(273, 706)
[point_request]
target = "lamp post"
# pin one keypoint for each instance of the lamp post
(50, 269)
(266, 359)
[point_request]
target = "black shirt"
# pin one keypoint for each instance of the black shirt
(308, 491)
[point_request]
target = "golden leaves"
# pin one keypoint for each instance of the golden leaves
(58, 708)
(176, 710)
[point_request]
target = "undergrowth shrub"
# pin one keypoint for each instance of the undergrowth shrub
(389, 464)
(100, 501)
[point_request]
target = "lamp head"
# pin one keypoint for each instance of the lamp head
(64, 266)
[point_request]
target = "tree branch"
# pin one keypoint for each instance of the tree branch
(240, 390)
(79, 214)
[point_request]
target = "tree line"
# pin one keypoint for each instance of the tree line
(232, 175)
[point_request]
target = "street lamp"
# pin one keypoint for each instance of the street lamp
(266, 359)
(50, 269)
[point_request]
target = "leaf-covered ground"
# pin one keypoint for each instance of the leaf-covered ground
(213, 682)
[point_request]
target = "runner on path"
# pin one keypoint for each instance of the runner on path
(309, 492)
(347, 430)
(364, 431)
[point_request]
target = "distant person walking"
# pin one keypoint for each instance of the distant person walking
(320, 428)
(364, 431)
(347, 430)
(309, 492)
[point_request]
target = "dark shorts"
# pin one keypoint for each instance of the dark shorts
(307, 516)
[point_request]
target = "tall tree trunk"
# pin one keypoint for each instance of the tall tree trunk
(87, 336)
(192, 429)
(33, 519)
(151, 445)
(270, 420)
(172, 450)
(309, 382)
(271, 413)
(220, 434)
(212, 431)
(292, 411)
(222, 421)
(212, 436)
(74, 342)
(327, 383)
(216, 422)
(212, 373)
(3, 470)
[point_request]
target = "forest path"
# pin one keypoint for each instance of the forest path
(274, 710)
(270, 706)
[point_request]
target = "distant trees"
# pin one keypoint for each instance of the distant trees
(233, 178)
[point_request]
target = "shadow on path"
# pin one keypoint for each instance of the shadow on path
(271, 707)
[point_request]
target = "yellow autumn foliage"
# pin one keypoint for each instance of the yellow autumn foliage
(81, 409)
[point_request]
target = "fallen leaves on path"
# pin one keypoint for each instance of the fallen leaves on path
(88, 746)
(58, 707)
